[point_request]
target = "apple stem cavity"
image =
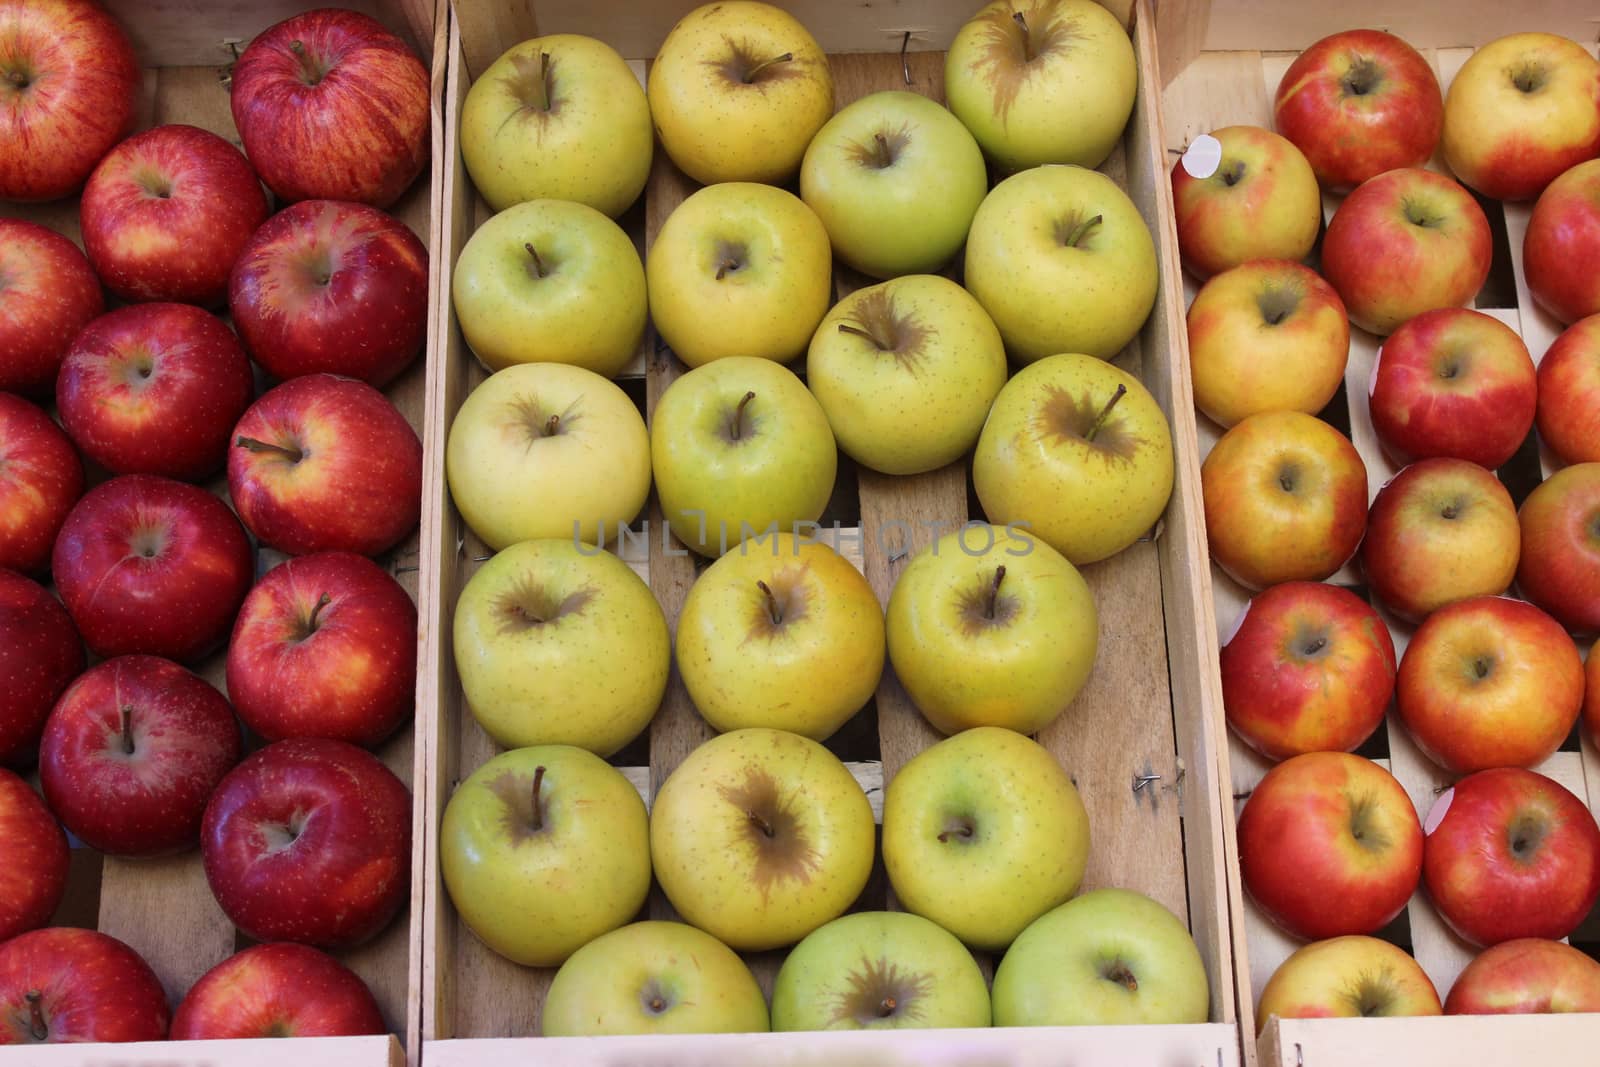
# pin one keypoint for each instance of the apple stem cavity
(538, 804)
(887, 1007)
(127, 729)
(845, 327)
(962, 828)
(536, 268)
(294, 455)
(1363, 76)
(1528, 78)
(1076, 235)
(736, 427)
(552, 425)
(1233, 173)
(1105, 412)
(1120, 974)
(17, 78)
(994, 592)
(750, 75)
(774, 611)
(36, 1024)
(764, 825)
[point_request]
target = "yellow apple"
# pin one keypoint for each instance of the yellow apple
(1243, 193)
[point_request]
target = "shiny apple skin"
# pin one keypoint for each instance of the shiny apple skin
(33, 859)
(1569, 393)
(277, 990)
(47, 294)
(40, 654)
(1560, 566)
(41, 478)
(1528, 976)
(93, 988)
(1561, 250)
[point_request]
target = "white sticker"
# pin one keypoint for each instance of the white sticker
(1436, 813)
(1233, 631)
(1203, 157)
(1372, 382)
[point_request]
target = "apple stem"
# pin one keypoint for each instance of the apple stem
(551, 425)
(1081, 231)
(36, 1024)
(1027, 38)
(750, 75)
(311, 624)
(657, 1004)
(960, 831)
(773, 610)
(994, 592)
(1105, 412)
(886, 1008)
(764, 825)
(543, 103)
(725, 266)
(882, 155)
(1124, 977)
(538, 264)
(127, 729)
(736, 431)
(538, 805)
(845, 327)
(294, 454)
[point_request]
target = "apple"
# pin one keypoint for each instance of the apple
(1063, 262)
(1268, 335)
(906, 372)
(277, 990)
(653, 978)
(41, 478)
(558, 644)
(879, 970)
(33, 859)
(1454, 382)
(40, 653)
(150, 565)
(1560, 566)
(1347, 977)
(739, 269)
(1408, 241)
(131, 753)
(1359, 103)
(544, 849)
(551, 282)
(1520, 111)
(1441, 530)
(1561, 249)
(560, 117)
(784, 633)
(309, 840)
(155, 389)
(69, 83)
(1569, 393)
(332, 287)
(740, 448)
(325, 645)
(1242, 193)
(1591, 693)
(167, 212)
(1078, 452)
(761, 836)
(1285, 499)
(1527, 976)
(547, 450)
(49, 294)
(895, 179)
(989, 626)
(990, 811)
(324, 463)
(737, 91)
(332, 106)
(1511, 854)
(63, 985)
(1307, 667)
(1110, 957)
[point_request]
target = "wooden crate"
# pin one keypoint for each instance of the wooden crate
(163, 907)
(1142, 740)
(1223, 67)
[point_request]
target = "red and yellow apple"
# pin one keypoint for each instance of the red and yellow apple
(1531, 975)
(1561, 249)
(1243, 193)
(49, 294)
(1347, 977)
(1560, 567)
(1569, 393)
(277, 990)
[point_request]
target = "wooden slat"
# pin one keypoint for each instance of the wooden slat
(1272, 26)
(1441, 1041)
(195, 33)
(384, 1051)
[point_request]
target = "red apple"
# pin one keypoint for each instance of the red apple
(1561, 250)
(1359, 103)
(65, 985)
(309, 840)
(132, 752)
(1251, 196)
(1440, 530)
(47, 294)
(1560, 568)
(33, 859)
(322, 463)
(41, 478)
(1510, 853)
(68, 86)
(1308, 667)
(1489, 682)
(155, 389)
(1454, 382)
(1527, 976)
(277, 990)
(332, 106)
(40, 653)
(325, 646)
(1329, 844)
(335, 287)
(1347, 977)
(1405, 242)
(1569, 393)
(147, 564)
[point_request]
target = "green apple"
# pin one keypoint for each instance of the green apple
(544, 849)
(740, 446)
(1111, 957)
(561, 644)
(653, 978)
(737, 91)
(983, 833)
(1078, 451)
(879, 970)
(739, 270)
(896, 179)
(1061, 260)
(547, 450)
(760, 837)
(558, 118)
(991, 627)
(1043, 81)
(906, 371)
(784, 634)
(551, 281)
